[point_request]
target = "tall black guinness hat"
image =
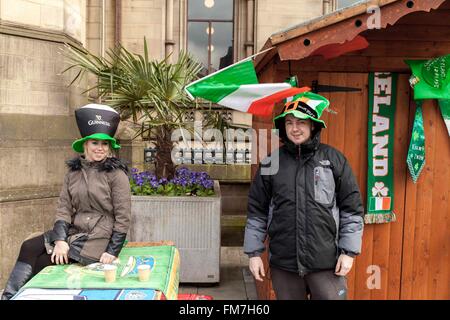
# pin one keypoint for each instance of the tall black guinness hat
(96, 121)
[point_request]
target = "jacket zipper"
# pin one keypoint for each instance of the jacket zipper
(298, 156)
(303, 272)
(304, 183)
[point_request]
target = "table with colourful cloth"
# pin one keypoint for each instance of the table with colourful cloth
(77, 282)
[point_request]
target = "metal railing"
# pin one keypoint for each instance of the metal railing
(204, 156)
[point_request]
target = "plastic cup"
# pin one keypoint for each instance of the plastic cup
(144, 272)
(110, 271)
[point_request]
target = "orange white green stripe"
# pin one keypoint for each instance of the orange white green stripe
(237, 87)
(380, 203)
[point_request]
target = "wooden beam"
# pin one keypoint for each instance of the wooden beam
(327, 20)
(346, 30)
(403, 32)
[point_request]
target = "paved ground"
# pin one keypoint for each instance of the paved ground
(236, 282)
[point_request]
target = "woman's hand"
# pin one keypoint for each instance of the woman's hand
(344, 265)
(60, 253)
(107, 258)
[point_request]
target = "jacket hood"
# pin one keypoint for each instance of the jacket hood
(109, 164)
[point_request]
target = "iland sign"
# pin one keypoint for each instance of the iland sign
(380, 176)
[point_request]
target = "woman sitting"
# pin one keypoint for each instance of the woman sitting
(94, 206)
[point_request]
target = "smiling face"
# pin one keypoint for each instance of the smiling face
(96, 150)
(298, 130)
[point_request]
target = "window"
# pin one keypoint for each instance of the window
(346, 3)
(210, 33)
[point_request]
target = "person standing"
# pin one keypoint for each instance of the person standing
(311, 209)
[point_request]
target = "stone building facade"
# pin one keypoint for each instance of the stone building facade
(37, 125)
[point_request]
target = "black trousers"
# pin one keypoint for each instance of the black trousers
(33, 252)
(321, 285)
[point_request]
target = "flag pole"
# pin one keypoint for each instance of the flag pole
(258, 53)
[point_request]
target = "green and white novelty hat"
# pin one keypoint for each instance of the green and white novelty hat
(305, 105)
(430, 78)
(98, 122)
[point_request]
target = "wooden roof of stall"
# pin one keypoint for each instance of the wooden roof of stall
(339, 27)
(413, 251)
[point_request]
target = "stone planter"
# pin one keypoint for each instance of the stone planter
(192, 223)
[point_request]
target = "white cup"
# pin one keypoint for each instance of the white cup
(144, 272)
(110, 271)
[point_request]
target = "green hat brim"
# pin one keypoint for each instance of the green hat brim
(299, 115)
(77, 145)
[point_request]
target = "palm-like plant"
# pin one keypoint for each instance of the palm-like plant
(148, 91)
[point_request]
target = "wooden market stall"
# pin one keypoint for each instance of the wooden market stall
(340, 49)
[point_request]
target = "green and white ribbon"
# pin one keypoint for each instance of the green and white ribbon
(380, 177)
(430, 79)
(416, 151)
(444, 105)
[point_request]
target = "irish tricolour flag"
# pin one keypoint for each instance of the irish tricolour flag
(237, 87)
(380, 203)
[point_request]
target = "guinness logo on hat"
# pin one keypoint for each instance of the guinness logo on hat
(96, 121)
(97, 118)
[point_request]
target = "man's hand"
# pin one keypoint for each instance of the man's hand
(60, 252)
(344, 265)
(257, 268)
(107, 258)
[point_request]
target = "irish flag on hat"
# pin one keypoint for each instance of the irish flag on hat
(237, 87)
(306, 105)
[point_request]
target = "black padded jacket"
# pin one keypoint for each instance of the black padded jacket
(307, 200)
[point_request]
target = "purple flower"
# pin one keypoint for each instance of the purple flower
(154, 184)
(184, 178)
(139, 181)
